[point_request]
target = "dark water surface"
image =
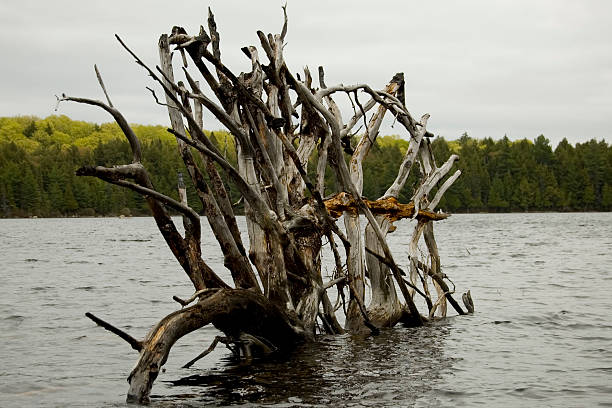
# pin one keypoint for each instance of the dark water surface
(541, 335)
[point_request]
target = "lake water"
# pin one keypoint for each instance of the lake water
(541, 335)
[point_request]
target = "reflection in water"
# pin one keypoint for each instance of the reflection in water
(394, 368)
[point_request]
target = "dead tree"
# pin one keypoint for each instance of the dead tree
(280, 121)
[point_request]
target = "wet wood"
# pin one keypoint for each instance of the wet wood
(233, 311)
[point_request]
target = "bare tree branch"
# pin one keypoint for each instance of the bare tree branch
(136, 344)
(102, 86)
(123, 124)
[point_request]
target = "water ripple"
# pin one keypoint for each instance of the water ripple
(540, 336)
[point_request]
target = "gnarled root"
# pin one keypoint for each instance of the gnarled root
(239, 313)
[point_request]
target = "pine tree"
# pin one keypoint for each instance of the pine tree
(496, 195)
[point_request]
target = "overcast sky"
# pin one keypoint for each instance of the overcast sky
(489, 68)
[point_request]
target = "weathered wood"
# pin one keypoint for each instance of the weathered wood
(356, 261)
(217, 187)
(234, 259)
(277, 122)
(430, 182)
(389, 207)
(346, 183)
(449, 181)
(435, 269)
(233, 311)
(408, 161)
(385, 308)
(468, 302)
(385, 305)
(101, 82)
(136, 344)
(121, 121)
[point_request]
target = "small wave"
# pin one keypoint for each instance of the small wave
(601, 369)
(572, 391)
(453, 393)
(85, 288)
(593, 338)
(134, 240)
(604, 389)
(598, 350)
(518, 255)
(15, 317)
(128, 240)
(550, 319)
(502, 322)
(41, 288)
(527, 392)
(36, 391)
(77, 262)
(582, 326)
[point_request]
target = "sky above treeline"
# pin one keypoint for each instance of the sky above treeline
(488, 68)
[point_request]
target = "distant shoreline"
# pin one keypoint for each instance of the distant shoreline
(242, 215)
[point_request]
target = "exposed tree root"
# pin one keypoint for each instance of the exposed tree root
(238, 313)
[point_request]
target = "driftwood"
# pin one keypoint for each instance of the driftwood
(280, 121)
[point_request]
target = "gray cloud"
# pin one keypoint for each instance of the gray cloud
(520, 68)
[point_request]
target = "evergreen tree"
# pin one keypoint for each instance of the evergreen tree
(496, 196)
(606, 199)
(38, 158)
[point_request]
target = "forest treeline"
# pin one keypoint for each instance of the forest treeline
(38, 159)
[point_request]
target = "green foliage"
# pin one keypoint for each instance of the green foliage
(38, 159)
